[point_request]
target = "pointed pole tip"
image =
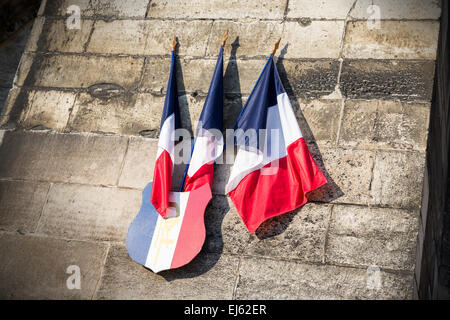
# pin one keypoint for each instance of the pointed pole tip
(225, 37)
(174, 43)
(275, 47)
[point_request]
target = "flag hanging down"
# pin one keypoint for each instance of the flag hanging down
(208, 145)
(273, 169)
(170, 121)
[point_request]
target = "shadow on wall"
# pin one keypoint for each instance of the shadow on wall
(213, 246)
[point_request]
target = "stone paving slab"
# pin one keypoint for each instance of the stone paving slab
(271, 279)
(73, 158)
(21, 205)
(372, 236)
(36, 268)
(208, 276)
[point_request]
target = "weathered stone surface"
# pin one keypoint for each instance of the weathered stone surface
(76, 71)
(393, 40)
(318, 119)
(139, 163)
(110, 8)
(75, 158)
(54, 35)
(60, 7)
(49, 109)
(126, 113)
(380, 237)
(410, 9)
(225, 231)
(208, 276)
(217, 9)
(120, 37)
(319, 39)
(89, 213)
(319, 10)
(378, 79)
(21, 205)
(298, 235)
(260, 279)
(392, 124)
(349, 175)
(397, 179)
(252, 37)
(36, 268)
(308, 79)
(149, 37)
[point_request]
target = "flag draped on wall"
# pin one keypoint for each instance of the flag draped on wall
(273, 169)
(208, 145)
(170, 121)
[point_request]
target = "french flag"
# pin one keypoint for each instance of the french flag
(273, 168)
(170, 121)
(208, 144)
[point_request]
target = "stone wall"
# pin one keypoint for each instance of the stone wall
(432, 273)
(80, 130)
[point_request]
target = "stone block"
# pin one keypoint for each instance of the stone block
(225, 231)
(382, 237)
(392, 40)
(385, 124)
(397, 179)
(247, 39)
(21, 205)
(120, 37)
(216, 9)
(349, 175)
(74, 71)
(318, 119)
(54, 35)
(89, 212)
(319, 10)
(208, 276)
(125, 113)
(37, 268)
(260, 279)
(139, 163)
(308, 79)
(149, 37)
(388, 9)
(297, 235)
(387, 79)
(73, 158)
(108, 8)
(49, 109)
(318, 39)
